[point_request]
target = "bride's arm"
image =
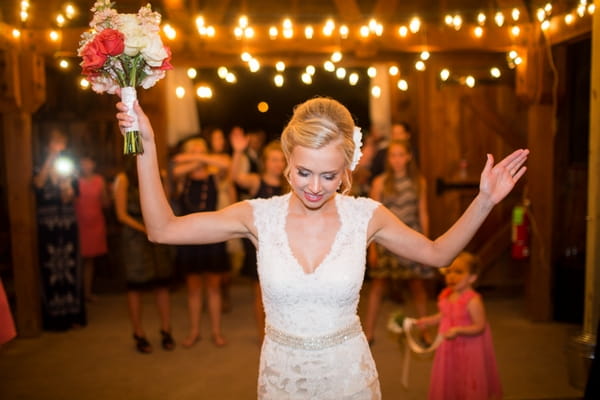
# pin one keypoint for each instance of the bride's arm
(496, 182)
(161, 224)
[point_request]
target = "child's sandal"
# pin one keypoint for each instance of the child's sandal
(167, 340)
(142, 345)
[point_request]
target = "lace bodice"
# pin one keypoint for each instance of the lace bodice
(325, 300)
(314, 304)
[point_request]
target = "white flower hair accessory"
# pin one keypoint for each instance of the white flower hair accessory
(357, 137)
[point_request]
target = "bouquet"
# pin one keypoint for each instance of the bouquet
(396, 322)
(126, 51)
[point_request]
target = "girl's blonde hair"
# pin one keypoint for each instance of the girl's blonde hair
(190, 143)
(471, 261)
(412, 171)
(316, 123)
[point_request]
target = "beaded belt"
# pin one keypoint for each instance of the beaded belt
(314, 342)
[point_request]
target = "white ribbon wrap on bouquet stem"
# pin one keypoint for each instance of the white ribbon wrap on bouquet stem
(412, 345)
(129, 96)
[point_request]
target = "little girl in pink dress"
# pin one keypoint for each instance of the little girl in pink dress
(464, 366)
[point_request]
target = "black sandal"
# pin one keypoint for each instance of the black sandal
(142, 344)
(167, 340)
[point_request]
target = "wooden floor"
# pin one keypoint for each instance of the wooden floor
(99, 361)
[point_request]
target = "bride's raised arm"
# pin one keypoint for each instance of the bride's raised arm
(496, 182)
(162, 226)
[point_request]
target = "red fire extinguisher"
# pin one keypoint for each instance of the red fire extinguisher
(520, 232)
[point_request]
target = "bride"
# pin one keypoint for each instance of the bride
(311, 246)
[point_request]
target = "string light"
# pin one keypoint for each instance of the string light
(263, 106)
(230, 77)
(309, 32)
(310, 69)
(495, 72)
(179, 92)
(204, 92)
(169, 31)
(424, 55)
(402, 85)
(273, 32)
(545, 25)
(353, 79)
(393, 70)
(478, 31)
(499, 18)
(344, 31)
(329, 27)
(16, 33)
(253, 65)
(403, 31)
(246, 57)
(569, 19)
(515, 31)
(70, 11)
(64, 64)
(470, 81)
(515, 14)
(444, 74)
(192, 73)
(420, 65)
(591, 9)
(415, 25)
(306, 78)
(222, 72)
(280, 66)
(54, 36)
(329, 66)
(60, 20)
(84, 83)
(372, 72)
(278, 80)
(376, 91)
(364, 31)
(340, 73)
(336, 57)
(481, 18)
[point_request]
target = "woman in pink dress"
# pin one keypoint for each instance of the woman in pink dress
(7, 325)
(464, 366)
(93, 198)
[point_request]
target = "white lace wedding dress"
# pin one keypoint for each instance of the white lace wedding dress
(314, 347)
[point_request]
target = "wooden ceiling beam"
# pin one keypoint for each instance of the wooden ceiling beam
(348, 10)
(385, 9)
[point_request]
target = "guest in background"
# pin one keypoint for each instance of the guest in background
(207, 264)
(148, 266)
(7, 325)
(403, 190)
(58, 247)
(269, 183)
(89, 206)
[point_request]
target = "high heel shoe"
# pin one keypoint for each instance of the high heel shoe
(142, 345)
(167, 341)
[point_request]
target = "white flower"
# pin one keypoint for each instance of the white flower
(135, 37)
(154, 76)
(154, 52)
(357, 137)
(104, 83)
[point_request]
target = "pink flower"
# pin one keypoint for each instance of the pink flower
(166, 64)
(112, 41)
(94, 57)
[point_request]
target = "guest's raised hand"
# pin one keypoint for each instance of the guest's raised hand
(238, 139)
(498, 180)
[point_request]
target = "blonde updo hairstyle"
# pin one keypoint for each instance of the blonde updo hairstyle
(316, 123)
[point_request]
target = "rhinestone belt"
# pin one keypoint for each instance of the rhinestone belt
(314, 342)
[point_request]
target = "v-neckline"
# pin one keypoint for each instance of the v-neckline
(331, 248)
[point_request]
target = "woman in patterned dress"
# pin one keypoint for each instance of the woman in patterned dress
(401, 189)
(311, 246)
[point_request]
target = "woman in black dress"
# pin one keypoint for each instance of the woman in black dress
(58, 246)
(204, 265)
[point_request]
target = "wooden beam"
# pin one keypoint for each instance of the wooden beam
(592, 259)
(349, 10)
(385, 9)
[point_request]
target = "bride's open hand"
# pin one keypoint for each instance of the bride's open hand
(498, 180)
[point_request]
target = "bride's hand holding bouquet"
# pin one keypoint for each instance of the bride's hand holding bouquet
(121, 52)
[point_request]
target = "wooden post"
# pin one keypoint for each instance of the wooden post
(18, 159)
(592, 262)
(22, 94)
